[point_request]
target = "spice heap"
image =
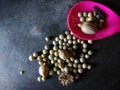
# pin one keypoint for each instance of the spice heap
(90, 22)
(66, 57)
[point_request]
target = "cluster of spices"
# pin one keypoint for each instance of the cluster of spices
(91, 22)
(66, 57)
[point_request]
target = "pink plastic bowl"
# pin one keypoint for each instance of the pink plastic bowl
(111, 26)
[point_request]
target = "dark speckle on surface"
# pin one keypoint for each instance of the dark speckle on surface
(23, 26)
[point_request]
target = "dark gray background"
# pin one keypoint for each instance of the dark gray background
(23, 26)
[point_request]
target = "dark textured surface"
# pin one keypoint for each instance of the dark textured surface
(23, 26)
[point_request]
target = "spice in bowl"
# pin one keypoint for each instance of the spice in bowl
(91, 22)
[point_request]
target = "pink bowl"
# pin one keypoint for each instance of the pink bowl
(111, 26)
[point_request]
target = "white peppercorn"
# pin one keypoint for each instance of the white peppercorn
(80, 70)
(22, 72)
(84, 65)
(56, 53)
(51, 57)
(82, 19)
(47, 47)
(89, 19)
(97, 16)
(87, 56)
(62, 69)
(59, 50)
(43, 55)
(73, 37)
(76, 61)
(82, 59)
(70, 64)
(70, 41)
(74, 70)
(55, 42)
(72, 59)
(75, 46)
(82, 42)
(35, 54)
(64, 47)
(55, 69)
(67, 32)
(68, 60)
(59, 60)
(90, 41)
(79, 25)
(39, 78)
(79, 14)
(85, 14)
(55, 48)
(78, 40)
(47, 38)
(60, 65)
(39, 58)
(56, 39)
(68, 44)
(90, 14)
(55, 58)
(53, 61)
(43, 78)
(58, 72)
(84, 45)
(89, 67)
(31, 58)
(90, 52)
(74, 42)
(66, 69)
(44, 59)
(41, 62)
(84, 50)
(65, 40)
(64, 44)
(51, 52)
(71, 33)
(60, 42)
(60, 46)
(101, 21)
(69, 37)
(45, 51)
(51, 72)
(79, 65)
(75, 65)
(56, 64)
(62, 36)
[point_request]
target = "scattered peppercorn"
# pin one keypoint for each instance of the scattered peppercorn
(22, 72)
(62, 56)
(47, 38)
